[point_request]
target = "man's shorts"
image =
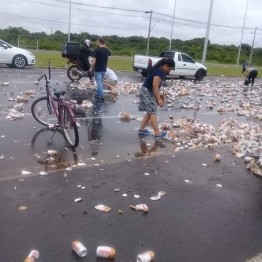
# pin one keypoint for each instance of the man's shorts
(110, 82)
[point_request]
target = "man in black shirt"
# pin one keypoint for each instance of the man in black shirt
(99, 62)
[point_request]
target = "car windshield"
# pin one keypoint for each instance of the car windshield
(2, 43)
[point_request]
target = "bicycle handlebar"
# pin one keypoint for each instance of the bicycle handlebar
(39, 79)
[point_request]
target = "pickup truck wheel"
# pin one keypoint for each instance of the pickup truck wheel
(144, 74)
(182, 77)
(200, 75)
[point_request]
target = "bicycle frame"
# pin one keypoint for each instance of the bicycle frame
(57, 105)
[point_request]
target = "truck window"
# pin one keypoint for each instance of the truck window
(179, 57)
(187, 59)
(167, 54)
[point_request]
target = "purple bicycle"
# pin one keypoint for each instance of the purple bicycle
(54, 112)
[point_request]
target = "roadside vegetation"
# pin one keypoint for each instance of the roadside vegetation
(220, 58)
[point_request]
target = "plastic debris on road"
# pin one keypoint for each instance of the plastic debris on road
(117, 190)
(120, 212)
(24, 173)
(158, 197)
(103, 208)
(136, 196)
(22, 208)
(141, 207)
(124, 115)
(42, 173)
(86, 104)
(5, 84)
(146, 174)
(78, 200)
(13, 114)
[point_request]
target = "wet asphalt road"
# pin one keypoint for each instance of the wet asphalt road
(26, 137)
(193, 222)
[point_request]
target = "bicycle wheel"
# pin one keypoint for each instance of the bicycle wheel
(69, 127)
(40, 112)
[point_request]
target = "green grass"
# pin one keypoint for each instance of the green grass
(217, 70)
(127, 64)
(58, 61)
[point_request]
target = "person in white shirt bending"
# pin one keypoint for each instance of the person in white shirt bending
(110, 80)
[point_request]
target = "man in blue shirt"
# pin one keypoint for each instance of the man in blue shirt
(99, 62)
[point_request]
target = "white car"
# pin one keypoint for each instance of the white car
(15, 57)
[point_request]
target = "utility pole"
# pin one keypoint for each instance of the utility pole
(239, 51)
(69, 24)
(170, 43)
(51, 31)
(149, 30)
(207, 32)
(250, 58)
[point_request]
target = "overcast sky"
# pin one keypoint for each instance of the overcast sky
(105, 21)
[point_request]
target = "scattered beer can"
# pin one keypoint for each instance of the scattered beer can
(146, 257)
(33, 256)
(105, 252)
(52, 152)
(79, 248)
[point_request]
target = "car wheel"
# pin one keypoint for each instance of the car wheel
(9, 65)
(19, 61)
(182, 77)
(200, 75)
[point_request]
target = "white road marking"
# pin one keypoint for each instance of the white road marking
(257, 258)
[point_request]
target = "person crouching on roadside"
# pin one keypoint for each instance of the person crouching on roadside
(252, 74)
(110, 80)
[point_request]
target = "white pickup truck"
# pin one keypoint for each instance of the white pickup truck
(185, 65)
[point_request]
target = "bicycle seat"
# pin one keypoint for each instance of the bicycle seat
(60, 93)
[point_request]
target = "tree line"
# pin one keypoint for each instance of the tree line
(129, 46)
